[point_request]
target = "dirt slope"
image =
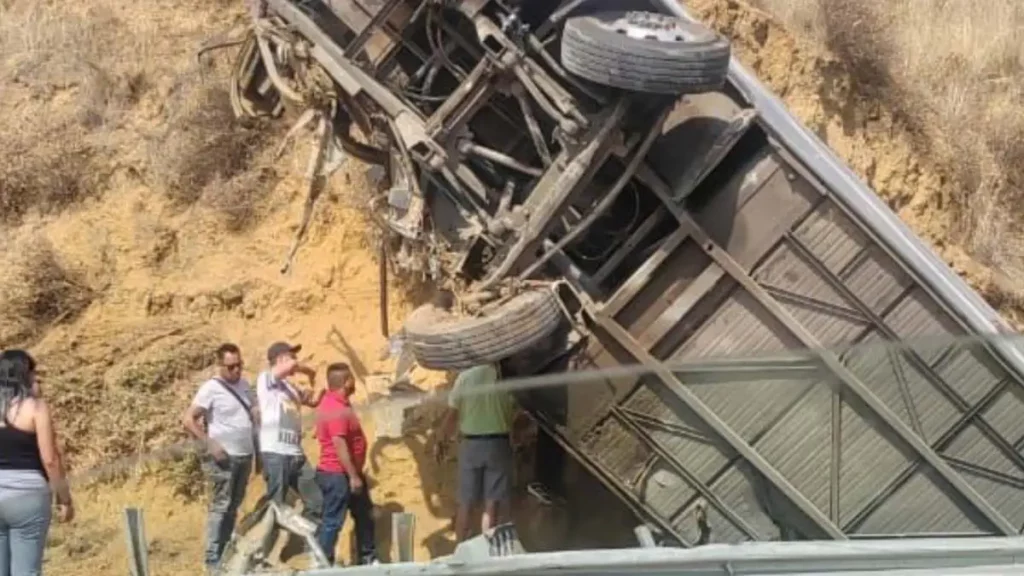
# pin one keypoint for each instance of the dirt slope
(143, 226)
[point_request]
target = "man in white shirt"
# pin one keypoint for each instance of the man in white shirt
(284, 463)
(222, 416)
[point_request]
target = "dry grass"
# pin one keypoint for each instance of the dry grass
(48, 158)
(956, 69)
(239, 201)
(42, 167)
(77, 79)
(127, 384)
(37, 289)
(205, 144)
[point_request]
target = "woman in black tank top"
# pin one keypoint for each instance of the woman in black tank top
(31, 472)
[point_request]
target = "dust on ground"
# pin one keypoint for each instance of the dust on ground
(162, 225)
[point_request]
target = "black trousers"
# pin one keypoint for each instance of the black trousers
(548, 462)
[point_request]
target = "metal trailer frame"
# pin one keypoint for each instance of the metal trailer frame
(873, 213)
(912, 557)
(877, 218)
(809, 160)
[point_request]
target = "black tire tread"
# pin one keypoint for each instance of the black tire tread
(601, 56)
(461, 343)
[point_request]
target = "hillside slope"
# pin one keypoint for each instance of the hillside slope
(143, 226)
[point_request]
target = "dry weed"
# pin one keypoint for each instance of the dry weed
(123, 396)
(205, 143)
(51, 48)
(162, 365)
(46, 171)
(162, 243)
(61, 83)
(239, 201)
(37, 289)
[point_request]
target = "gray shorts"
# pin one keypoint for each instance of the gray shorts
(485, 469)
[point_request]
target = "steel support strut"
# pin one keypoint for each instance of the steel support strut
(912, 356)
(679, 468)
(868, 209)
(719, 427)
(858, 389)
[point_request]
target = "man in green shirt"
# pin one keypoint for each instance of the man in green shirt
(484, 414)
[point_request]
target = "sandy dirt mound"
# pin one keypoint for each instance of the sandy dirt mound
(161, 224)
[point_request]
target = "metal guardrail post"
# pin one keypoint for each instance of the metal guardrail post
(644, 536)
(403, 528)
(138, 551)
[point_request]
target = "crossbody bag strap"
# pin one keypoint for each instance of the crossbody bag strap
(233, 392)
(256, 462)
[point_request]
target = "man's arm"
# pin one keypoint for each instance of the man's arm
(190, 420)
(355, 477)
(254, 407)
(310, 397)
(451, 418)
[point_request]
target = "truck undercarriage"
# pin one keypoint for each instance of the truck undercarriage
(588, 182)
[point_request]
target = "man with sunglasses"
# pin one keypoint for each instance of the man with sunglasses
(223, 415)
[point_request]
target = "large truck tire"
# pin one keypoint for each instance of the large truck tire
(645, 52)
(446, 342)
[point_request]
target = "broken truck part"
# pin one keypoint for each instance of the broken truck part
(665, 213)
(250, 548)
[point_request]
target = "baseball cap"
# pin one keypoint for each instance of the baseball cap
(278, 348)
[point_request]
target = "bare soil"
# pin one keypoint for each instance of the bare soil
(143, 226)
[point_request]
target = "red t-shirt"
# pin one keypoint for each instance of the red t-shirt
(335, 417)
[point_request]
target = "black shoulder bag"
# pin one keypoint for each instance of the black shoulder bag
(256, 464)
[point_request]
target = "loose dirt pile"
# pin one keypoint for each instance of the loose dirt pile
(143, 225)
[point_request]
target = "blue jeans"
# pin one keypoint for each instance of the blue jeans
(24, 522)
(229, 479)
(282, 472)
(339, 499)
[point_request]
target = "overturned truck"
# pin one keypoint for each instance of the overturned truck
(598, 179)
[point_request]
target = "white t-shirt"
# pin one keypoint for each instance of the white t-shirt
(227, 420)
(280, 416)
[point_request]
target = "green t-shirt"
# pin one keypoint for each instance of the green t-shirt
(481, 411)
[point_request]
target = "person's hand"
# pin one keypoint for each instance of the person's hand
(442, 447)
(216, 450)
(356, 483)
(65, 512)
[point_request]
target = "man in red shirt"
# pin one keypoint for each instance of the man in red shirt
(340, 472)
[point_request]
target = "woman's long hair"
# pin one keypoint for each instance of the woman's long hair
(16, 368)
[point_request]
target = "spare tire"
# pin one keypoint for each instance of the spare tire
(442, 341)
(645, 52)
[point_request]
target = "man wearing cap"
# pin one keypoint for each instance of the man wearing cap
(284, 463)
